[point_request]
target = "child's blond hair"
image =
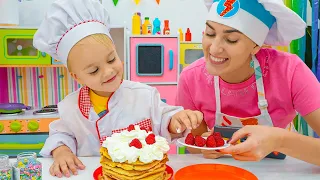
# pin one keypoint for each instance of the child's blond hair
(100, 38)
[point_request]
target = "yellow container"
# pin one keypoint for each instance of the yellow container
(136, 24)
(180, 34)
(146, 27)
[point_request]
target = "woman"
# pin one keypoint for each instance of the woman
(238, 83)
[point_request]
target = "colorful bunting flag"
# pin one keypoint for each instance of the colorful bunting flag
(137, 1)
(115, 2)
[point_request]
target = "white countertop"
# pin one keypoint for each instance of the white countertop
(267, 169)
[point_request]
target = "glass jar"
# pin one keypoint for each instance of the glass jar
(27, 167)
(5, 168)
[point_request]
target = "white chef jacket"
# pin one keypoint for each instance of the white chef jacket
(82, 130)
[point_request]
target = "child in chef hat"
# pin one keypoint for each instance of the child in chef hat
(76, 32)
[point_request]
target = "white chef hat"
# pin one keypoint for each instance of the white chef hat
(263, 21)
(66, 23)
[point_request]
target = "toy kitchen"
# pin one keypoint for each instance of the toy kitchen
(32, 83)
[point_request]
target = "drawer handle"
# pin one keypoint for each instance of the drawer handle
(170, 59)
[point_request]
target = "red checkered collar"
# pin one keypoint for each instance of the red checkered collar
(84, 102)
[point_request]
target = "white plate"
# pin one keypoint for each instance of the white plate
(182, 142)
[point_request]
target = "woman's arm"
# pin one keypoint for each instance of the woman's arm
(258, 145)
(303, 147)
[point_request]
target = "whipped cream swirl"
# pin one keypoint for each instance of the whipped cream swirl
(120, 151)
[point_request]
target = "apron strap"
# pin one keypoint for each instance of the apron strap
(217, 93)
(262, 101)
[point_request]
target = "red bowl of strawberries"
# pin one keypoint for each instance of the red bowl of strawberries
(212, 142)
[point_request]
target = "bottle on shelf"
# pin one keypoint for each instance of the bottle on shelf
(188, 35)
(156, 26)
(166, 29)
(136, 24)
(147, 27)
(180, 34)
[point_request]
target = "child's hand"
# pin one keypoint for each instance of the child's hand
(65, 160)
(185, 119)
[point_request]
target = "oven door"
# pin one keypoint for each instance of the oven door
(189, 53)
(16, 48)
(154, 60)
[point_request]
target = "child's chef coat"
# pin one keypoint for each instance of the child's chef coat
(81, 129)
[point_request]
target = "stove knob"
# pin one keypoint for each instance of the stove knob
(33, 125)
(1, 127)
(15, 126)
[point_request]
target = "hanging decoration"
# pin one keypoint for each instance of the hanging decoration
(158, 1)
(314, 34)
(115, 2)
(294, 45)
(315, 14)
(318, 67)
(315, 19)
(303, 40)
(300, 7)
(137, 2)
(298, 47)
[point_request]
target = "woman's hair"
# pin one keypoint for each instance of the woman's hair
(100, 38)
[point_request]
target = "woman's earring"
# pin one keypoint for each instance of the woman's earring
(251, 64)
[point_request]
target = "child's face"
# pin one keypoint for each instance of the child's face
(97, 66)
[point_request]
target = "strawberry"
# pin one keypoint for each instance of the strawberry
(216, 134)
(131, 127)
(199, 141)
(189, 139)
(219, 141)
(151, 139)
(144, 128)
(136, 143)
(211, 142)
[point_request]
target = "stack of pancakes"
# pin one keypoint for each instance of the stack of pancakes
(155, 170)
